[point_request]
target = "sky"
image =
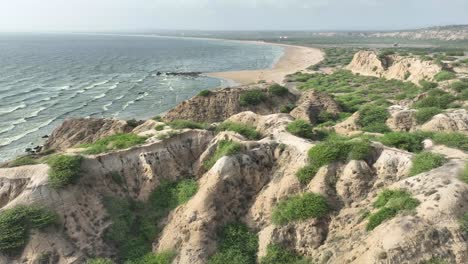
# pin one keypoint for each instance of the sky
(146, 15)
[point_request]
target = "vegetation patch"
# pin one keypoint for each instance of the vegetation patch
(99, 261)
(160, 127)
(163, 257)
(436, 98)
(22, 161)
(16, 224)
(300, 207)
(134, 223)
(444, 76)
(426, 161)
(426, 113)
(464, 174)
(306, 173)
(411, 142)
(224, 148)
(451, 139)
(278, 90)
(337, 149)
(372, 118)
(64, 170)
(236, 245)
(183, 124)
(113, 142)
(287, 108)
(390, 202)
(252, 97)
(277, 254)
(301, 128)
(204, 93)
(426, 85)
(245, 130)
(464, 223)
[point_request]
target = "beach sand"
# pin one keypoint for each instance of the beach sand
(294, 59)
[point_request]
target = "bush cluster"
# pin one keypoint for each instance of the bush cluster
(278, 90)
(436, 98)
(236, 245)
(300, 207)
(183, 124)
(464, 174)
(426, 161)
(301, 128)
(204, 93)
(252, 97)
(390, 203)
(287, 108)
(99, 261)
(224, 148)
(16, 223)
(426, 113)
(245, 130)
(372, 118)
(113, 142)
(64, 170)
(444, 76)
(411, 142)
(277, 254)
(22, 161)
(163, 257)
(134, 223)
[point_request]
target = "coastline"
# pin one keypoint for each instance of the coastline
(294, 59)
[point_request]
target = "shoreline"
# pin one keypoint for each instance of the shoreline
(294, 59)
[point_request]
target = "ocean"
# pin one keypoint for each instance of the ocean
(47, 78)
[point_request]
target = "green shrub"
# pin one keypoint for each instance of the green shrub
(436, 98)
(224, 148)
(444, 76)
(301, 128)
(426, 85)
(306, 173)
(403, 140)
(64, 170)
(372, 118)
(451, 139)
(182, 124)
(390, 202)
(113, 142)
(464, 174)
(22, 161)
(426, 161)
(333, 150)
(236, 245)
(252, 97)
(245, 130)
(434, 261)
(464, 223)
(300, 207)
(16, 223)
(460, 86)
(135, 224)
(163, 257)
(287, 108)
(204, 93)
(276, 254)
(99, 261)
(278, 90)
(425, 114)
(158, 118)
(160, 127)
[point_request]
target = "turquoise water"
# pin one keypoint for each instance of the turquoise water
(45, 79)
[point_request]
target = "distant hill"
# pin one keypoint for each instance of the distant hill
(451, 32)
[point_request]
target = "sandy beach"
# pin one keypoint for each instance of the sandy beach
(294, 59)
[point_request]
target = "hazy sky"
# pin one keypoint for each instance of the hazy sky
(129, 15)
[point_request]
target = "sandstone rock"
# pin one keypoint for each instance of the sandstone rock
(349, 126)
(354, 182)
(394, 67)
(223, 103)
(312, 103)
(402, 119)
(451, 121)
(82, 130)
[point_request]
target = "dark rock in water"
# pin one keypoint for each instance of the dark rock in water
(189, 74)
(45, 136)
(141, 93)
(158, 73)
(28, 150)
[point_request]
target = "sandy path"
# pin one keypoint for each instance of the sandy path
(295, 58)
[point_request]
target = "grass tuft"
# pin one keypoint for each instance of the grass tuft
(300, 207)
(113, 142)
(64, 170)
(224, 148)
(183, 124)
(278, 90)
(277, 254)
(252, 97)
(245, 130)
(426, 161)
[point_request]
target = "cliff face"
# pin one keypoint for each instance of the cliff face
(219, 106)
(393, 67)
(247, 186)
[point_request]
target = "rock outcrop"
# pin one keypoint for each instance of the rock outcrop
(393, 67)
(450, 121)
(312, 103)
(221, 104)
(84, 130)
(402, 119)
